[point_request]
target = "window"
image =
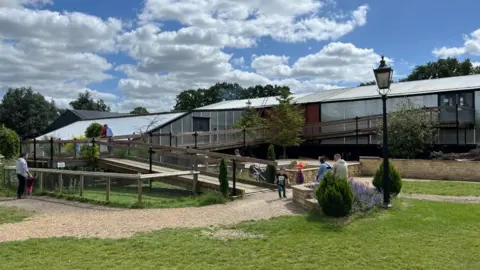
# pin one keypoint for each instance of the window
(201, 124)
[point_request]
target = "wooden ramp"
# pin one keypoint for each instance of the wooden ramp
(204, 180)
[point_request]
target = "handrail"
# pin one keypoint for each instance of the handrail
(80, 173)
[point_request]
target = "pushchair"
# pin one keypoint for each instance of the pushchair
(258, 173)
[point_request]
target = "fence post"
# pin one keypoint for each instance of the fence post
(150, 163)
(128, 149)
(60, 182)
(150, 138)
(356, 128)
(465, 135)
(195, 176)
(93, 142)
(457, 123)
(170, 137)
(195, 136)
(176, 141)
(234, 177)
(244, 139)
(82, 179)
(140, 184)
(74, 148)
(40, 179)
(108, 189)
(51, 152)
(35, 152)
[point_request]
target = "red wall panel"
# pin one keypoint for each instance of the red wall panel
(312, 113)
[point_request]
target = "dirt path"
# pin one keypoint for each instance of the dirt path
(57, 218)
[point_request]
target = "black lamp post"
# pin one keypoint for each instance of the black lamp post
(383, 76)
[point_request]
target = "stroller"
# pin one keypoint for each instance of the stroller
(258, 173)
(30, 183)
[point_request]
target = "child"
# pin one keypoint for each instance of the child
(300, 178)
(281, 182)
(30, 181)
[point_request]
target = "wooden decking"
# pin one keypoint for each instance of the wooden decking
(208, 180)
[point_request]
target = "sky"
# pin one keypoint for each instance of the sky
(143, 53)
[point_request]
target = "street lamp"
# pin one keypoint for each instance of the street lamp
(383, 76)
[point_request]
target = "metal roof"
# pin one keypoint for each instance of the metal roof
(242, 103)
(89, 115)
(124, 125)
(397, 89)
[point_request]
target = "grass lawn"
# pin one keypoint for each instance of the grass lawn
(441, 188)
(162, 196)
(412, 235)
(12, 214)
(4, 192)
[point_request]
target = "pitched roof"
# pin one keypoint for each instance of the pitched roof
(242, 103)
(89, 115)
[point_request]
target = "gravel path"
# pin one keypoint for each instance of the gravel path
(442, 198)
(58, 218)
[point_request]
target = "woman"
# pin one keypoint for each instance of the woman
(324, 167)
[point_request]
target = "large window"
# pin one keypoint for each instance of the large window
(201, 124)
(448, 103)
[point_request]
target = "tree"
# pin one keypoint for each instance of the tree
(85, 102)
(285, 123)
(9, 142)
(271, 172)
(139, 110)
(250, 119)
(27, 112)
(442, 68)
(191, 99)
(410, 130)
(94, 130)
(223, 178)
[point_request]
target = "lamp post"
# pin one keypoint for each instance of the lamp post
(383, 76)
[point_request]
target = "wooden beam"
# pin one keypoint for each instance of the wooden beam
(70, 172)
(167, 174)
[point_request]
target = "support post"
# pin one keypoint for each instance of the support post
(108, 189)
(457, 124)
(140, 184)
(40, 180)
(170, 137)
(195, 176)
(82, 181)
(74, 148)
(244, 138)
(51, 153)
(35, 152)
(60, 183)
(386, 173)
(356, 129)
(150, 138)
(234, 177)
(195, 137)
(150, 164)
(128, 149)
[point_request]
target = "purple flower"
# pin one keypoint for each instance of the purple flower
(365, 196)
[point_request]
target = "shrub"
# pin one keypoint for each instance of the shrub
(94, 130)
(70, 147)
(210, 198)
(9, 142)
(335, 195)
(364, 196)
(271, 172)
(395, 184)
(90, 153)
(223, 178)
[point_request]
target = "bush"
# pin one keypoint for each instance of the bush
(90, 153)
(223, 178)
(364, 196)
(335, 195)
(271, 172)
(395, 184)
(9, 142)
(210, 198)
(94, 130)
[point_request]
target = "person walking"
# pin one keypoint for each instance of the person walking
(281, 181)
(22, 174)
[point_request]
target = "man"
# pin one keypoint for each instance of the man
(281, 181)
(109, 135)
(22, 174)
(340, 167)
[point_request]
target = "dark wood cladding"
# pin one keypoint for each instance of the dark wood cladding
(311, 113)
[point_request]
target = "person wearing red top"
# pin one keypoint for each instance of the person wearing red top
(104, 131)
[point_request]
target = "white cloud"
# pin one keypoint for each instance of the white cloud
(239, 62)
(471, 46)
(20, 3)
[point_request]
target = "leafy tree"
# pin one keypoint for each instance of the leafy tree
(395, 184)
(285, 123)
(94, 130)
(27, 112)
(250, 119)
(9, 142)
(368, 83)
(271, 172)
(85, 102)
(223, 178)
(442, 68)
(139, 110)
(410, 129)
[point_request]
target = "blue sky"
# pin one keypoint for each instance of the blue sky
(130, 69)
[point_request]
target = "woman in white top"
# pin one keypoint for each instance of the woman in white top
(22, 174)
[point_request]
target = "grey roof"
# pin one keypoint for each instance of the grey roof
(89, 115)
(242, 103)
(397, 89)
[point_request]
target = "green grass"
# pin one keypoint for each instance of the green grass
(6, 192)
(441, 188)
(412, 235)
(162, 196)
(12, 214)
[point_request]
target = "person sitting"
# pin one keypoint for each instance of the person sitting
(340, 167)
(299, 177)
(324, 167)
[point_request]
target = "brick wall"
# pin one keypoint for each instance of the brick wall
(427, 169)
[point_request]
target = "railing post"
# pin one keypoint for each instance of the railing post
(244, 139)
(140, 187)
(176, 141)
(74, 148)
(150, 138)
(234, 177)
(128, 147)
(195, 176)
(356, 129)
(457, 123)
(150, 164)
(170, 137)
(40, 179)
(51, 152)
(35, 152)
(195, 137)
(60, 182)
(93, 142)
(108, 189)
(82, 179)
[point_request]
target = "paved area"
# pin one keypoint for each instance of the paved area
(57, 218)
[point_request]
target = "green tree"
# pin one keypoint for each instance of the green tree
(442, 68)
(223, 178)
(271, 171)
(410, 130)
(27, 112)
(94, 130)
(139, 110)
(9, 142)
(285, 123)
(85, 101)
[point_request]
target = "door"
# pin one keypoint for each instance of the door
(201, 124)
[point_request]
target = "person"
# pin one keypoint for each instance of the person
(281, 181)
(300, 177)
(237, 153)
(103, 134)
(109, 135)
(22, 174)
(324, 167)
(340, 167)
